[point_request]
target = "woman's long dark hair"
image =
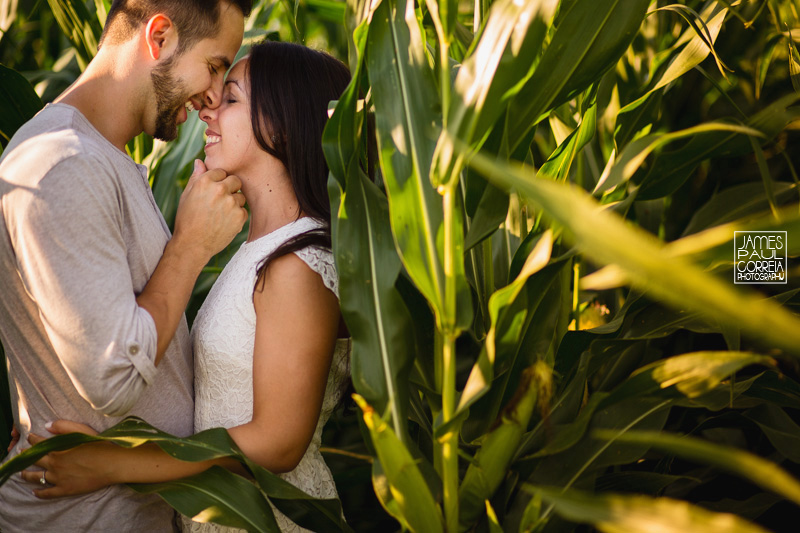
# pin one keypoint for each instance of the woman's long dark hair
(290, 88)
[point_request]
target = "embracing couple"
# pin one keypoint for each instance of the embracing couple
(93, 286)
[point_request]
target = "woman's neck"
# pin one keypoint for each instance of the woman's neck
(272, 203)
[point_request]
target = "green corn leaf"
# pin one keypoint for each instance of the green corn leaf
(711, 249)
(492, 74)
(672, 168)
(410, 500)
(559, 163)
(491, 211)
(327, 10)
(491, 461)
(763, 63)
(214, 443)
(740, 203)
(378, 319)
(713, 246)
(81, 29)
(341, 136)
(570, 65)
(18, 103)
(794, 64)
(651, 483)
(589, 454)
(216, 495)
(779, 428)
(700, 44)
(368, 265)
(775, 388)
(406, 128)
(504, 320)
(691, 374)
(523, 328)
(171, 164)
(606, 239)
(637, 151)
(568, 435)
(618, 513)
(762, 472)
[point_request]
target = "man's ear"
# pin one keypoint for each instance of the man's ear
(160, 36)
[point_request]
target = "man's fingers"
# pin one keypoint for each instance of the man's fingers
(232, 183)
(199, 168)
(59, 427)
(14, 438)
(239, 197)
(33, 438)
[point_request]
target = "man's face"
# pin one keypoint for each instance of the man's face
(195, 77)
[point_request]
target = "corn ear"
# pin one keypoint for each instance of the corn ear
(490, 464)
(412, 503)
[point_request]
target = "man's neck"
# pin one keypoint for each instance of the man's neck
(109, 97)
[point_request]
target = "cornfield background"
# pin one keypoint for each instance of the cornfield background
(536, 261)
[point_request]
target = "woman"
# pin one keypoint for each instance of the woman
(269, 339)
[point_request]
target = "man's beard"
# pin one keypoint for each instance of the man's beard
(171, 97)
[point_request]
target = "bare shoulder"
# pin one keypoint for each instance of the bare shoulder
(289, 278)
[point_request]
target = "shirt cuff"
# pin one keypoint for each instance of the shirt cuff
(142, 351)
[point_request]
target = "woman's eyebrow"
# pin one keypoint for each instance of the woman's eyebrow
(235, 82)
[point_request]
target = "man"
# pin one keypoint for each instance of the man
(92, 288)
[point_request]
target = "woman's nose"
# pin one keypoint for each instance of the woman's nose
(207, 114)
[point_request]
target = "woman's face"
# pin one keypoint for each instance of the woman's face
(230, 143)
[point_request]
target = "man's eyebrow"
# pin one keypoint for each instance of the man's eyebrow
(224, 60)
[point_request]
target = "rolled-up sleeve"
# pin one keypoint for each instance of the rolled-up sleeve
(72, 258)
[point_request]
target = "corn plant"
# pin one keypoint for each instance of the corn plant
(534, 212)
(519, 149)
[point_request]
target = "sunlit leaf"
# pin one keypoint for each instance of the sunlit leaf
(606, 239)
(412, 503)
(762, 472)
(618, 513)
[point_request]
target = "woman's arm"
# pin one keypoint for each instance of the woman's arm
(297, 319)
(90, 467)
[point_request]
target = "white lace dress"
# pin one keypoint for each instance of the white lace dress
(223, 338)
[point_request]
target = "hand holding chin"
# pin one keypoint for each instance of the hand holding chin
(211, 210)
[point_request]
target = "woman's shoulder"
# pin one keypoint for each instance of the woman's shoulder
(320, 260)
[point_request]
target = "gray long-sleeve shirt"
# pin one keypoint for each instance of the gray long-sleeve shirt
(80, 235)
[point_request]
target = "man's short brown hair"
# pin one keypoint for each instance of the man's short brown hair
(194, 20)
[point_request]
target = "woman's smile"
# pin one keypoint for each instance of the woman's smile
(212, 137)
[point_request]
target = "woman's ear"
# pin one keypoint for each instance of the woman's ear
(160, 37)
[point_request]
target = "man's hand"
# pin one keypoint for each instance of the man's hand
(210, 211)
(14, 438)
(210, 214)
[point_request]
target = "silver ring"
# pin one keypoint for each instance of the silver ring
(42, 480)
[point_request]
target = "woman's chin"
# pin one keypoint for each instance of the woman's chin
(210, 161)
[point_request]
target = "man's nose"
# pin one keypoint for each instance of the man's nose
(212, 97)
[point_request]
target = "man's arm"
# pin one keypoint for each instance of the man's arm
(73, 260)
(210, 214)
